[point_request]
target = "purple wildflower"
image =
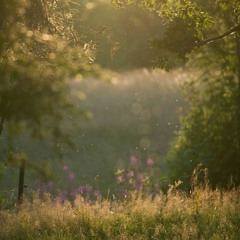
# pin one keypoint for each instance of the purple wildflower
(133, 160)
(71, 176)
(96, 193)
(150, 162)
(130, 174)
(88, 188)
(120, 179)
(80, 189)
(138, 186)
(140, 177)
(65, 168)
(72, 194)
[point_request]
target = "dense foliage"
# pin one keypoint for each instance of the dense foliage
(121, 36)
(39, 52)
(210, 132)
(206, 34)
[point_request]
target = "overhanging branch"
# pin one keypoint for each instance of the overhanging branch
(227, 33)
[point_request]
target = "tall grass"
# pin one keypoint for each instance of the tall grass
(202, 214)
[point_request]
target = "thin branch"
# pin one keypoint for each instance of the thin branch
(221, 36)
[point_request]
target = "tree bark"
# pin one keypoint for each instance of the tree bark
(238, 97)
(1, 123)
(21, 181)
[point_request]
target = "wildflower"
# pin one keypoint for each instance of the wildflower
(96, 193)
(130, 174)
(80, 189)
(71, 176)
(65, 168)
(140, 177)
(88, 188)
(120, 179)
(138, 186)
(150, 162)
(133, 160)
(72, 194)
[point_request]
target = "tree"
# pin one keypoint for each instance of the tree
(119, 34)
(39, 53)
(206, 34)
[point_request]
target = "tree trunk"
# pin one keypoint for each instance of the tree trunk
(21, 181)
(238, 94)
(1, 123)
(238, 104)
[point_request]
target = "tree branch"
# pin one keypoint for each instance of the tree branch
(221, 36)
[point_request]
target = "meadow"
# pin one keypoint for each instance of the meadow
(112, 185)
(200, 214)
(88, 153)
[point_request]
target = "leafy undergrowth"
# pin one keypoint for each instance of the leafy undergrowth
(203, 214)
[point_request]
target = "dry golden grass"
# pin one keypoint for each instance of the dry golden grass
(204, 214)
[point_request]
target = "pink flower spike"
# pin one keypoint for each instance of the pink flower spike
(88, 188)
(65, 167)
(71, 176)
(80, 189)
(133, 160)
(120, 179)
(138, 186)
(130, 174)
(140, 177)
(96, 193)
(72, 194)
(150, 162)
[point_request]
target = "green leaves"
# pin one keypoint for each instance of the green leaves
(205, 33)
(179, 38)
(39, 54)
(185, 22)
(120, 3)
(212, 118)
(188, 25)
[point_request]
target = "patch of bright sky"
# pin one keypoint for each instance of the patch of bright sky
(91, 4)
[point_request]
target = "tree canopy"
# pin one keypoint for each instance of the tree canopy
(39, 52)
(119, 34)
(42, 48)
(190, 24)
(206, 34)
